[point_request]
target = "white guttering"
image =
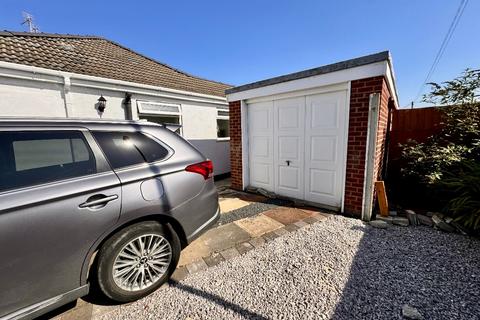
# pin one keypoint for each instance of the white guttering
(81, 80)
(381, 68)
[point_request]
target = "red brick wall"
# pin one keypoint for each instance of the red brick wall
(357, 138)
(236, 144)
(382, 131)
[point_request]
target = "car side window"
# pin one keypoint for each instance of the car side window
(34, 157)
(125, 149)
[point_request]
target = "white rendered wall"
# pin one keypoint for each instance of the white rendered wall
(22, 94)
(28, 98)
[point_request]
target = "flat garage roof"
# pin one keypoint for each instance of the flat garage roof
(347, 64)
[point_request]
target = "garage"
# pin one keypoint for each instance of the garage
(317, 135)
(309, 132)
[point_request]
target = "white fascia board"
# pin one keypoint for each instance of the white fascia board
(390, 76)
(20, 71)
(361, 72)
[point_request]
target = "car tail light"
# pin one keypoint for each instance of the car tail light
(204, 168)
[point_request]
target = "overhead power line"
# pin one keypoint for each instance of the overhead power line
(443, 46)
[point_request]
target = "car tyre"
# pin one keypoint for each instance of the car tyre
(121, 257)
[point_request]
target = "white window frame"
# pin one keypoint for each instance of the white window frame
(143, 111)
(222, 117)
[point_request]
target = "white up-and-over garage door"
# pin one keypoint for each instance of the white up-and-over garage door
(297, 146)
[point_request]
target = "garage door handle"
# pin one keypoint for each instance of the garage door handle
(98, 202)
(288, 162)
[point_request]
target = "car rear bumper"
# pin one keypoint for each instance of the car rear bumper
(204, 227)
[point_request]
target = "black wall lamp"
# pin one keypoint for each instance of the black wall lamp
(102, 104)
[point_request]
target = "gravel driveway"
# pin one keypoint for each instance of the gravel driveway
(340, 269)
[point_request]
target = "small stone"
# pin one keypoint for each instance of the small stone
(400, 221)
(442, 225)
(411, 313)
(431, 214)
(386, 219)
(425, 220)
(412, 217)
(393, 213)
(459, 227)
(266, 193)
(380, 224)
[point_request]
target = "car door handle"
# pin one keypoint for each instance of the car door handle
(98, 200)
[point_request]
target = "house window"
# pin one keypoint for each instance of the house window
(223, 124)
(162, 113)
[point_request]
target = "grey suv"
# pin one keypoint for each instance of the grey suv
(97, 204)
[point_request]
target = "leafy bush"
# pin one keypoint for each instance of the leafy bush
(465, 187)
(447, 166)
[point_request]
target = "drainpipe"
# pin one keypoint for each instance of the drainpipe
(66, 95)
(127, 103)
(373, 114)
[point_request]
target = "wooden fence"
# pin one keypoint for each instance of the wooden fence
(415, 124)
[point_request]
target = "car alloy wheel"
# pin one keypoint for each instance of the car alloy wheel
(142, 262)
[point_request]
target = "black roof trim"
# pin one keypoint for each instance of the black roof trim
(347, 64)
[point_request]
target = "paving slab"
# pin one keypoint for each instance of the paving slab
(196, 250)
(286, 215)
(270, 236)
(82, 311)
(224, 237)
(180, 274)
(256, 226)
(230, 204)
(99, 310)
(213, 259)
(244, 247)
(291, 228)
(197, 266)
(257, 242)
(301, 224)
(281, 231)
(310, 220)
(230, 253)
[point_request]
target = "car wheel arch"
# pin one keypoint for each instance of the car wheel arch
(90, 259)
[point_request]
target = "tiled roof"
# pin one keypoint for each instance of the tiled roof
(96, 56)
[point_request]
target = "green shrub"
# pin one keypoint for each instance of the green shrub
(446, 168)
(465, 187)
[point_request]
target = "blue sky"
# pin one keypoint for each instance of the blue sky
(246, 40)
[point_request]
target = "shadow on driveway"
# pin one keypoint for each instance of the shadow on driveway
(247, 314)
(435, 272)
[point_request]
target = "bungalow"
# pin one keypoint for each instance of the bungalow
(56, 75)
